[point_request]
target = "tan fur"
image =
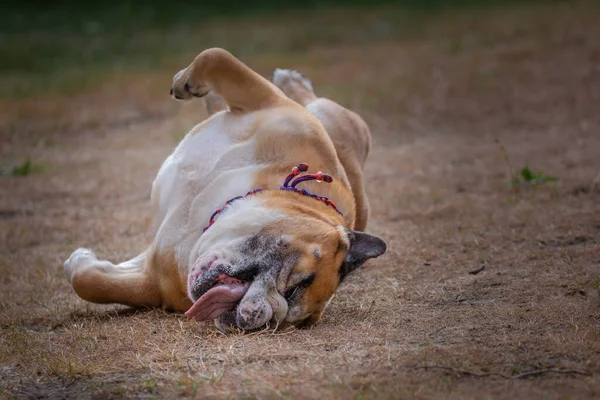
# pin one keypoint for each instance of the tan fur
(351, 138)
(313, 229)
(171, 283)
(104, 282)
(216, 69)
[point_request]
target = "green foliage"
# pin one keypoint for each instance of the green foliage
(527, 176)
(68, 16)
(516, 369)
(150, 386)
(25, 168)
(446, 382)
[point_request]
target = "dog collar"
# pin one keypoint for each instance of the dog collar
(288, 185)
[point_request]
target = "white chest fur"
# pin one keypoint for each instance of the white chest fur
(212, 164)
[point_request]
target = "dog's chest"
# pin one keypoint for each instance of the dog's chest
(199, 153)
(203, 155)
(207, 168)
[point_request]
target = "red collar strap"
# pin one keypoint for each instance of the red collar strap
(289, 185)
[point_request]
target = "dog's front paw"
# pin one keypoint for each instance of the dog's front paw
(78, 259)
(185, 86)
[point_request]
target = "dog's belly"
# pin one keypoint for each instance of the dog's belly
(208, 168)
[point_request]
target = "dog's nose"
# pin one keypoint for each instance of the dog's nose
(171, 92)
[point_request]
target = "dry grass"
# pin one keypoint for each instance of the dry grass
(412, 324)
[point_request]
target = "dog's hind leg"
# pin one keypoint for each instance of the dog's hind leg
(347, 130)
(101, 281)
(295, 85)
(216, 69)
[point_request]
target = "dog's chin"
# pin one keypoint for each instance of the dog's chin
(236, 297)
(226, 322)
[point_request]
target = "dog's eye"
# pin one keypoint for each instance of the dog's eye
(292, 292)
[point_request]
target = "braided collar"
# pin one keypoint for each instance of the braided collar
(288, 185)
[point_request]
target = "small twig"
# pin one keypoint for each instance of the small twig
(365, 313)
(458, 371)
(551, 370)
(519, 376)
(477, 270)
(437, 331)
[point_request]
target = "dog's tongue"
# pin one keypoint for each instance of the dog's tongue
(216, 301)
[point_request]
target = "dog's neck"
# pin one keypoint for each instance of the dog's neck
(289, 184)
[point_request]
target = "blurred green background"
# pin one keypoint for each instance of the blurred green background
(68, 41)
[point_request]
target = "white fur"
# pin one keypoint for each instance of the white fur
(209, 167)
(283, 77)
(240, 220)
(343, 235)
(213, 163)
(82, 259)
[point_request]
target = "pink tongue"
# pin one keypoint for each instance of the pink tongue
(216, 301)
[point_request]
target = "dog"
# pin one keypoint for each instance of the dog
(245, 235)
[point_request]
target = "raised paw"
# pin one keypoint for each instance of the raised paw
(295, 85)
(80, 258)
(185, 86)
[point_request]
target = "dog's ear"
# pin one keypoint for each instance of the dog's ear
(363, 246)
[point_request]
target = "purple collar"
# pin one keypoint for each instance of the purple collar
(296, 171)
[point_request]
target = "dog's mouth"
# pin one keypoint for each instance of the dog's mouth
(224, 295)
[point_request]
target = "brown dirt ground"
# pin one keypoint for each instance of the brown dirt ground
(414, 323)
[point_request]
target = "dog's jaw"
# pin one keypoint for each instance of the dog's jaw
(235, 245)
(241, 219)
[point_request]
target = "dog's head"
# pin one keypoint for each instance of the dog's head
(259, 267)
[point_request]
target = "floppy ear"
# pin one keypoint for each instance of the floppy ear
(362, 247)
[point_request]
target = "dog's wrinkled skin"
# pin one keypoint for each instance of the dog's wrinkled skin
(272, 258)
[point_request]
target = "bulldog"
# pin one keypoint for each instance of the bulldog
(246, 235)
